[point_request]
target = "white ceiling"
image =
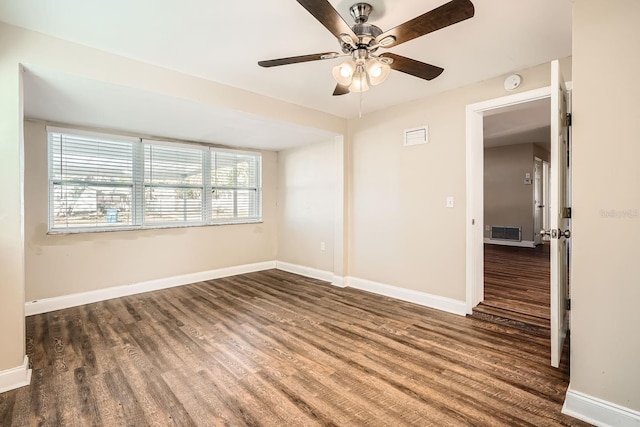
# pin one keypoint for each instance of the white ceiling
(67, 99)
(519, 124)
(223, 41)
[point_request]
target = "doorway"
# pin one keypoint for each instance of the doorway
(560, 211)
(516, 142)
(475, 228)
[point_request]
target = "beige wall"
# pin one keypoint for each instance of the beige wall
(12, 326)
(508, 201)
(195, 249)
(605, 276)
(542, 152)
(65, 264)
(400, 232)
(307, 188)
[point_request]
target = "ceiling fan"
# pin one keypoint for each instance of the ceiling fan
(361, 41)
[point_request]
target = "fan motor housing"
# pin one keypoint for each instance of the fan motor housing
(360, 12)
(366, 32)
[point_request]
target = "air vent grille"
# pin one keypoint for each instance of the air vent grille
(415, 136)
(513, 234)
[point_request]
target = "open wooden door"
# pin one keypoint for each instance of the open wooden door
(559, 214)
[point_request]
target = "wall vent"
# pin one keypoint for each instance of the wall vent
(415, 136)
(513, 234)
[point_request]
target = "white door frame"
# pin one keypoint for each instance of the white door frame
(538, 199)
(546, 175)
(475, 186)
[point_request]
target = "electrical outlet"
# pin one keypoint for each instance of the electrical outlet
(322, 246)
(487, 228)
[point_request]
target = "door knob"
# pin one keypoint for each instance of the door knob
(553, 233)
(556, 234)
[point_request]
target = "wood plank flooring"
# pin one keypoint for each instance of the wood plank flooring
(276, 349)
(517, 287)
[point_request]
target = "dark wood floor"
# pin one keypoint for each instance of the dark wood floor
(516, 287)
(273, 348)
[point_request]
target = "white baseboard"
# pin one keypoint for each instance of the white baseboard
(339, 281)
(313, 273)
(597, 411)
(522, 243)
(57, 303)
(433, 301)
(17, 377)
(422, 298)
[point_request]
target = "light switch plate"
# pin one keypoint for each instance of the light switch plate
(449, 201)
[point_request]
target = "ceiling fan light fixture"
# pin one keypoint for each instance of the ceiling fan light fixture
(360, 81)
(377, 71)
(361, 40)
(343, 73)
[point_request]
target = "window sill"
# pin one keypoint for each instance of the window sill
(149, 227)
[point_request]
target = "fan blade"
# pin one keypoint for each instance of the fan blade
(440, 17)
(341, 90)
(327, 16)
(297, 59)
(413, 67)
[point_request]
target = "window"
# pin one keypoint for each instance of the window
(91, 182)
(99, 182)
(234, 183)
(173, 185)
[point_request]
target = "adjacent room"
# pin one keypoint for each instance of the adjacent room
(517, 155)
(319, 212)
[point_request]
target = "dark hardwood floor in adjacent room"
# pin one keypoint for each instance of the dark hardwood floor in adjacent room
(517, 287)
(273, 348)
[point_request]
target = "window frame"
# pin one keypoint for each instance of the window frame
(258, 187)
(139, 185)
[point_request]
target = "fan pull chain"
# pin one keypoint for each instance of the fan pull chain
(360, 107)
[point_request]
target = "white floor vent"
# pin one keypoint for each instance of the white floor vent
(513, 234)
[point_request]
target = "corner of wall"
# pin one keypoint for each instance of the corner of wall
(597, 411)
(17, 377)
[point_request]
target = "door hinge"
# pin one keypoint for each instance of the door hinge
(569, 304)
(566, 212)
(568, 119)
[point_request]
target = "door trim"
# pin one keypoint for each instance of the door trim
(538, 190)
(475, 187)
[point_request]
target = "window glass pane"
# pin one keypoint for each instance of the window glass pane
(222, 204)
(247, 171)
(82, 205)
(247, 202)
(91, 181)
(173, 184)
(235, 181)
(81, 158)
(172, 165)
(223, 169)
(170, 204)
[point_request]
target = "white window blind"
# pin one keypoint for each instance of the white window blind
(235, 185)
(173, 185)
(105, 183)
(91, 181)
